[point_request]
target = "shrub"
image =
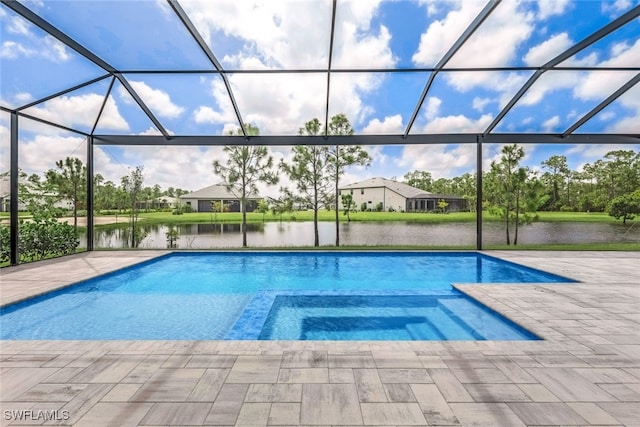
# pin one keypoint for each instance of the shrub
(5, 235)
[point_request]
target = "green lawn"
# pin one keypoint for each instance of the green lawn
(323, 215)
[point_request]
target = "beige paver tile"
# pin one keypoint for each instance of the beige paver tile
(547, 414)
(48, 392)
(607, 375)
(399, 393)
(364, 360)
(211, 361)
(369, 386)
(108, 369)
(283, 414)
(433, 405)
(226, 408)
(207, 388)
(16, 381)
(392, 414)
(332, 404)
(480, 375)
(396, 359)
(514, 372)
(593, 413)
(83, 402)
(538, 393)
(114, 414)
(496, 393)
(146, 368)
(274, 393)
(63, 375)
(177, 361)
(255, 369)
(121, 392)
(304, 375)
(621, 392)
(569, 386)
(254, 414)
(341, 376)
(305, 359)
(627, 413)
(432, 361)
(177, 413)
(169, 385)
(449, 386)
(467, 361)
(404, 376)
(486, 415)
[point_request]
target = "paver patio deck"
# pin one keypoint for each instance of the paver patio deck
(586, 371)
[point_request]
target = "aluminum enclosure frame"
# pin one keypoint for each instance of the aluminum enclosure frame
(406, 138)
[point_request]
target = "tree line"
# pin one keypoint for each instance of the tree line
(511, 191)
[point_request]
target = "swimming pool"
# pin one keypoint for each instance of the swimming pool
(233, 295)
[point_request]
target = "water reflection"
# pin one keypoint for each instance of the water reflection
(296, 234)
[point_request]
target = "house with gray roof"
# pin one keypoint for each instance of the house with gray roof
(203, 200)
(398, 196)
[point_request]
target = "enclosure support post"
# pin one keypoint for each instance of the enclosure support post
(479, 193)
(14, 256)
(90, 193)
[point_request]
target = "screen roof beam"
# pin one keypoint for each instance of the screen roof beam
(588, 41)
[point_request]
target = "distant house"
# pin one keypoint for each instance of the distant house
(398, 196)
(5, 195)
(203, 200)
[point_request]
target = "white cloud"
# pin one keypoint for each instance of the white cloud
(457, 124)
(432, 107)
(614, 8)
(547, 50)
(278, 35)
(441, 160)
(389, 125)
(45, 47)
(54, 50)
(550, 125)
(606, 116)
(23, 97)
(157, 100)
(480, 103)
(450, 124)
(631, 123)
(495, 43)
(13, 50)
(205, 114)
(549, 82)
(548, 8)
(80, 110)
(442, 34)
(600, 84)
(40, 153)
(18, 25)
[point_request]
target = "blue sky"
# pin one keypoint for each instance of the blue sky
(246, 35)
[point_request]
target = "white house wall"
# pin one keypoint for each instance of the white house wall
(373, 196)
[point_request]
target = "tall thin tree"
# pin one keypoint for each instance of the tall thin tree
(246, 166)
(308, 170)
(339, 157)
(70, 181)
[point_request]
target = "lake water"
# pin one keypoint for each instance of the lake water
(293, 234)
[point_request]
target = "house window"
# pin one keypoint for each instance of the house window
(362, 191)
(351, 192)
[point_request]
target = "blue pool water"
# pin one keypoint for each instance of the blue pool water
(298, 295)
